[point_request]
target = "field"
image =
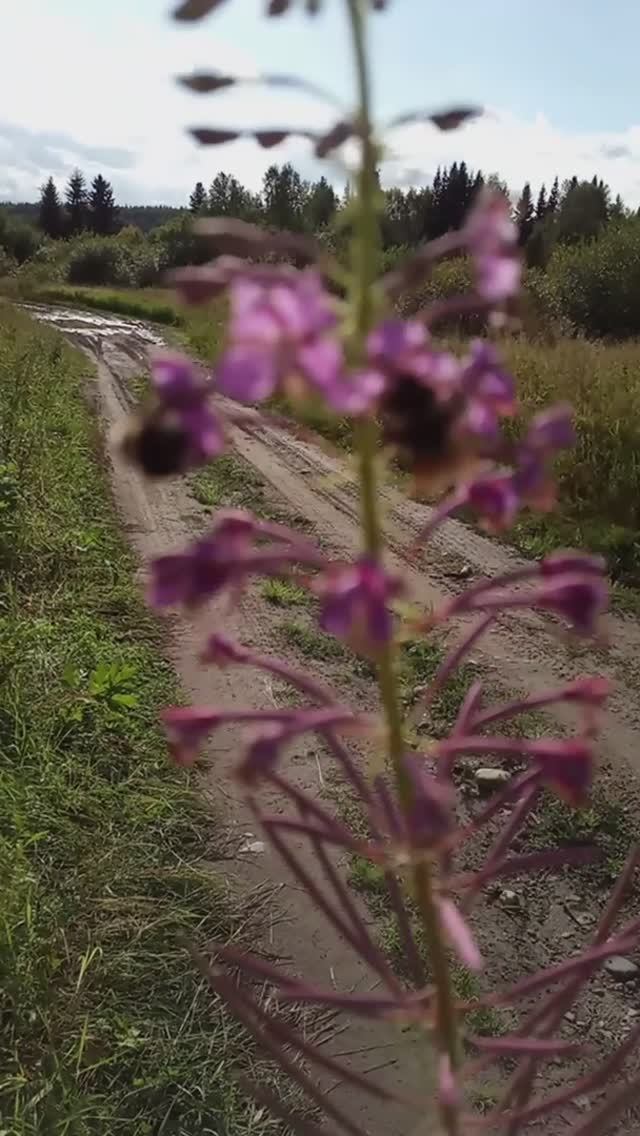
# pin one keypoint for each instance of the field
(105, 1025)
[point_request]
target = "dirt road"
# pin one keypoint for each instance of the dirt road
(526, 652)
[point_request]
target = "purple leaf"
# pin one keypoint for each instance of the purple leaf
(445, 120)
(205, 82)
(270, 138)
(207, 136)
(334, 138)
(195, 9)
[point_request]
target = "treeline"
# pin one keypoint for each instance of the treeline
(566, 214)
(581, 245)
(142, 217)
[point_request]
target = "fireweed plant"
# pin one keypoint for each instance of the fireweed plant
(321, 331)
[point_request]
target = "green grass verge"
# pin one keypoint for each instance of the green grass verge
(104, 850)
(151, 304)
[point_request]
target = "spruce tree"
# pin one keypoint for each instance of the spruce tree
(102, 207)
(524, 216)
(76, 203)
(541, 204)
(50, 211)
(554, 198)
(198, 198)
(321, 204)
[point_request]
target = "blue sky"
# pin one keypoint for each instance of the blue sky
(559, 79)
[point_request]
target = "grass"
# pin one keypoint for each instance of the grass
(282, 593)
(231, 483)
(105, 851)
(151, 304)
(310, 642)
(605, 824)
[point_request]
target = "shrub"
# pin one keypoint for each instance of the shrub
(113, 261)
(8, 263)
(598, 282)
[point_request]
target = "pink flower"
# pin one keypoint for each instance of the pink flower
(354, 603)
(226, 558)
(280, 335)
(495, 499)
(492, 239)
(580, 599)
(208, 566)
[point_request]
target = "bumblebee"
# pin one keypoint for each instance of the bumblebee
(156, 442)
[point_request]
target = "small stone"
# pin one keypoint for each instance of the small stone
(622, 969)
(254, 846)
(489, 779)
(584, 919)
(510, 900)
(570, 1017)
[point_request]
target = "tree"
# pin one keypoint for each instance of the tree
(554, 198)
(322, 204)
(617, 211)
(285, 197)
(524, 216)
(102, 207)
(228, 198)
(50, 210)
(198, 198)
(541, 204)
(76, 200)
(583, 211)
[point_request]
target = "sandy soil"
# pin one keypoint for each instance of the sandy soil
(521, 653)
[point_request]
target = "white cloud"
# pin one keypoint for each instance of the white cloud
(519, 150)
(109, 102)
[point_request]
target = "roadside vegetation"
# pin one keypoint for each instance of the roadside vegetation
(105, 853)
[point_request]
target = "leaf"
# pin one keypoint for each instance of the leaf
(129, 701)
(269, 138)
(334, 137)
(449, 119)
(205, 82)
(195, 9)
(71, 676)
(209, 137)
(452, 119)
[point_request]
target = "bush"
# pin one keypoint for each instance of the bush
(98, 260)
(112, 261)
(598, 282)
(449, 278)
(8, 264)
(18, 240)
(176, 246)
(544, 314)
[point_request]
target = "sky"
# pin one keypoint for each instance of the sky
(91, 83)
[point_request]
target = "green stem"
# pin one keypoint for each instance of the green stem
(365, 245)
